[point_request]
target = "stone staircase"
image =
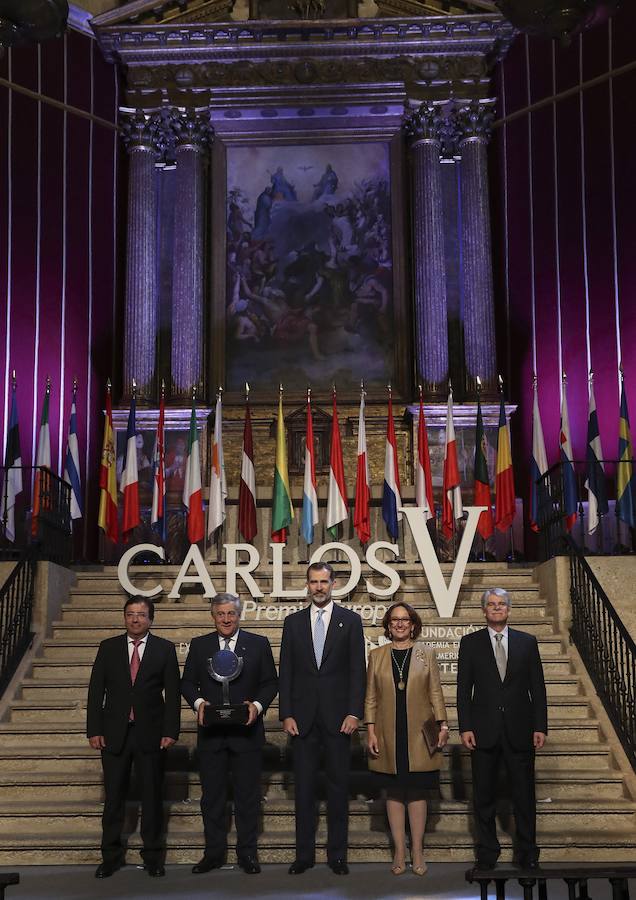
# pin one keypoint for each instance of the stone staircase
(50, 780)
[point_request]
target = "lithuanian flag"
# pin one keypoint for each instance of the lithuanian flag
(282, 509)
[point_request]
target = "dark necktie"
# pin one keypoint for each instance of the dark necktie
(500, 656)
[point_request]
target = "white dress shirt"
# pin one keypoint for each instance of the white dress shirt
(230, 645)
(140, 648)
(493, 639)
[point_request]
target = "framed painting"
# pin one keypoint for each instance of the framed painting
(311, 280)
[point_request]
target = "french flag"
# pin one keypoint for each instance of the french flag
(310, 497)
(391, 499)
(567, 464)
(130, 477)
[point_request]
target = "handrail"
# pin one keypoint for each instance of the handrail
(50, 522)
(16, 608)
(606, 647)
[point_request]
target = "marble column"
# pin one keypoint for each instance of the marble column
(425, 128)
(192, 135)
(473, 123)
(141, 135)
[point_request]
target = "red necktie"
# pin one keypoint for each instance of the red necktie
(135, 662)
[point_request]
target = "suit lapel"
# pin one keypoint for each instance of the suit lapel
(514, 650)
(145, 659)
(489, 654)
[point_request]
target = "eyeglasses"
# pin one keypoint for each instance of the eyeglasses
(136, 615)
(396, 621)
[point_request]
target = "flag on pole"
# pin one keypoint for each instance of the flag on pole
(247, 488)
(361, 514)
(282, 508)
(595, 482)
(158, 521)
(12, 484)
(218, 486)
(310, 497)
(337, 506)
(391, 499)
(192, 495)
(538, 463)
(130, 475)
(423, 475)
(567, 463)
(505, 505)
(485, 525)
(452, 507)
(625, 469)
(107, 518)
(71, 463)
(42, 461)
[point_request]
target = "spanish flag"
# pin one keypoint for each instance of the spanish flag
(504, 479)
(282, 509)
(107, 519)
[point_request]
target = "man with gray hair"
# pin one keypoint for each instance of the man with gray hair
(225, 747)
(503, 719)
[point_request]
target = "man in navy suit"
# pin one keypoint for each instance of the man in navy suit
(503, 719)
(322, 687)
(237, 747)
(133, 714)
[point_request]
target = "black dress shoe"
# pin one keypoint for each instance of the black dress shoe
(155, 870)
(485, 865)
(339, 867)
(298, 867)
(206, 864)
(105, 870)
(532, 863)
(249, 864)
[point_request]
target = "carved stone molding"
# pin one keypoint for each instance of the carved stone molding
(425, 123)
(191, 128)
(141, 131)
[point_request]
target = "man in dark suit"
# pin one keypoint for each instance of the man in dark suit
(322, 686)
(503, 718)
(237, 747)
(133, 715)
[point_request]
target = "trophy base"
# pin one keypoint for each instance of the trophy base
(232, 714)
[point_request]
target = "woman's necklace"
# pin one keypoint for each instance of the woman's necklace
(400, 668)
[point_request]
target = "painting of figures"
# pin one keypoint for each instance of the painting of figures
(309, 265)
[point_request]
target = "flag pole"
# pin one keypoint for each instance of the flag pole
(483, 539)
(512, 538)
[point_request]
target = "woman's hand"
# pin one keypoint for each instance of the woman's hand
(372, 742)
(443, 737)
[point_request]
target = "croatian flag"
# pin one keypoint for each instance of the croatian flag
(361, 518)
(130, 477)
(567, 464)
(391, 499)
(310, 498)
(158, 513)
(452, 507)
(71, 464)
(538, 463)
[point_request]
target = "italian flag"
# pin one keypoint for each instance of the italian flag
(192, 496)
(282, 509)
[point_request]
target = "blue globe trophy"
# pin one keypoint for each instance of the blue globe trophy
(224, 667)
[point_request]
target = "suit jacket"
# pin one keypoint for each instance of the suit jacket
(154, 696)
(257, 681)
(424, 698)
(336, 689)
(486, 705)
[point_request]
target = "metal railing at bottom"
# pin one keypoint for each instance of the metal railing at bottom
(606, 648)
(16, 609)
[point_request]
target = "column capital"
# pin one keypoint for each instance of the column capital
(191, 128)
(473, 121)
(424, 122)
(140, 130)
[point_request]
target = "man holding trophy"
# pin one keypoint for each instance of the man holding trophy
(229, 679)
